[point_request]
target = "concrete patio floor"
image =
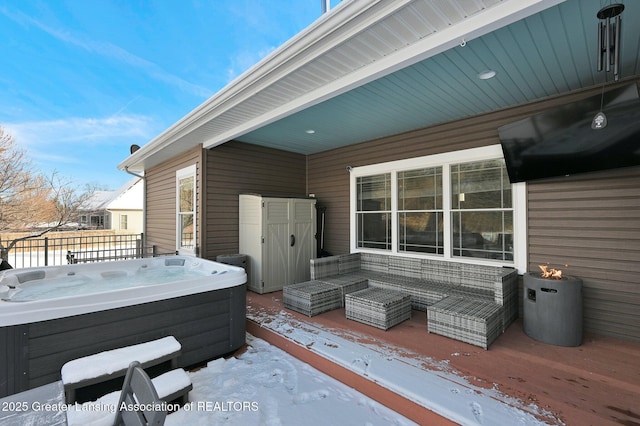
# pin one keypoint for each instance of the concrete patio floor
(597, 383)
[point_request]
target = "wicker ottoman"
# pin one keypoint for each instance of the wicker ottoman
(312, 297)
(469, 320)
(347, 284)
(378, 307)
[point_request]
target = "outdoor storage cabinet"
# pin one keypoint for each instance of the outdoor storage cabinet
(278, 236)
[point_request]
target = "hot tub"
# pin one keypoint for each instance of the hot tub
(51, 315)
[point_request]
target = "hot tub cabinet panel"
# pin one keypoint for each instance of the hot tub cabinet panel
(207, 325)
(14, 364)
(205, 311)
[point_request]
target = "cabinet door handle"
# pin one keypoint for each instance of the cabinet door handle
(292, 240)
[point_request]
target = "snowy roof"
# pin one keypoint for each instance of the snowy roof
(98, 200)
(129, 196)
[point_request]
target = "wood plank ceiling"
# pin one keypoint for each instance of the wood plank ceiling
(546, 54)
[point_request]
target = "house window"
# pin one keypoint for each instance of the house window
(481, 210)
(459, 206)
(373, 215)
(186, 209)
(123, 221)
(97, 222)
(420, 212)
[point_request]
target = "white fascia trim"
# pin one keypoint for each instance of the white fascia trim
(270, 69)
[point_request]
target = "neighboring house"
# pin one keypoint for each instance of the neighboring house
(125, 208)
(377, 109)
(93, 214)
(119, 210)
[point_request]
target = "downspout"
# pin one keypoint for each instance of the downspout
(126, 169)
(144, 206)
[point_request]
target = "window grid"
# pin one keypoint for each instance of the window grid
(420, 214)
(485, 229)
(373, 211)
(186, 209)
(463, 209)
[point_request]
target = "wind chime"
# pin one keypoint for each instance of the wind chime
(609, 28)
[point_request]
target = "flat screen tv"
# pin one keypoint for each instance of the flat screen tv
(561, 142)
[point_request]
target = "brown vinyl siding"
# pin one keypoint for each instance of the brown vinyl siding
(235, 168)
(591, 223)
(599, 214)
(596, 215)
(329, 180)
(160, 209)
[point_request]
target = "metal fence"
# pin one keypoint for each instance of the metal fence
(48, 251)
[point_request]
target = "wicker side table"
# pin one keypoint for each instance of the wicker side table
(378, 307)
(312, 297)
(469, 320)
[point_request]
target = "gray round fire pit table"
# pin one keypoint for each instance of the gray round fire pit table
(552, 309)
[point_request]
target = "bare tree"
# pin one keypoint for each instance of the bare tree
(16, 182)
(66, 199)
(27, 197)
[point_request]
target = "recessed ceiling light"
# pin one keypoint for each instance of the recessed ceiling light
(310, 131)
(486, 74)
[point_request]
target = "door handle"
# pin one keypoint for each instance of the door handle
(292, 240)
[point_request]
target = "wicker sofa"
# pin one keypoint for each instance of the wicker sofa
(471, 303)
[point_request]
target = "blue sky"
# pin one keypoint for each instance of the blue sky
(82, 80)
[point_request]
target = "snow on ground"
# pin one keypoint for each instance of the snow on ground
(431, 384)
(267, 386)
(262, 386)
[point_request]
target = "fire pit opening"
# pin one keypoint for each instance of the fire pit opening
(550, 272)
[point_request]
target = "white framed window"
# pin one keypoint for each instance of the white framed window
(186, 210)
(123, 221)
(458, 205)
(420, 211)
(373, 210)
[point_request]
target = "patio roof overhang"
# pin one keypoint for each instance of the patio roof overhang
(373, 68)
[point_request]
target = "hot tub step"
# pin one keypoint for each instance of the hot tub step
(108, 365)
